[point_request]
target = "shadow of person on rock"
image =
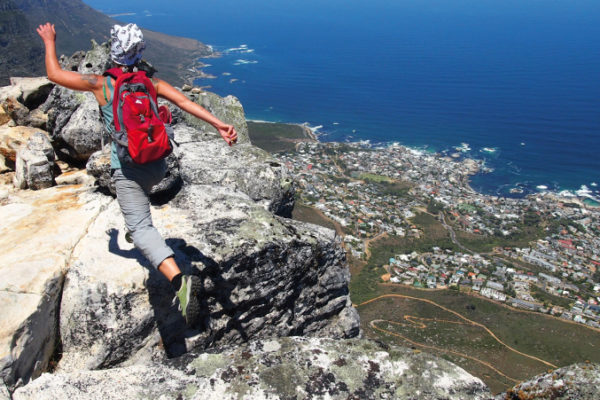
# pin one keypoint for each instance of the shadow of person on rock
(113, 247)
(216, 295)
(176, 336)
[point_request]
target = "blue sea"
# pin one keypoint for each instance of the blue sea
(516, 83)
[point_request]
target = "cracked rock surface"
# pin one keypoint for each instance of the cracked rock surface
(284, 368)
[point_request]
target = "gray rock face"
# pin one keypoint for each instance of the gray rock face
(578, 381)
(98, 166)
(74, 123)
(42, 224)
(4, 393)
(73, 117)
(34, 167)
(96, 61)
(242, 167)
(263, 276)
(227, 109)
(34, 91)
(285, 368)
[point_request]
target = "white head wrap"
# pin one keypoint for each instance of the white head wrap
(127, 43)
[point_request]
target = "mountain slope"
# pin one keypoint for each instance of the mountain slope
(21, 51)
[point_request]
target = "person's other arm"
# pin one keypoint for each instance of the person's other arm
(167, 91)
(69, 79)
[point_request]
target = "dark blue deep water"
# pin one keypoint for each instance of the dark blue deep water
(519, 78)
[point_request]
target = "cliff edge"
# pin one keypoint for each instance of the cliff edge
(85, 316)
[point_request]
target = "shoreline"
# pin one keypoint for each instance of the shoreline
(560, 195)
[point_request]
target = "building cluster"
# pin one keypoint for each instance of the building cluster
(370, 191)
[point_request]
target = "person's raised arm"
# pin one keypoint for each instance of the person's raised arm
(69, 79)
(167, 91)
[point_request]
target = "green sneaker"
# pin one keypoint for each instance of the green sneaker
(188, 296)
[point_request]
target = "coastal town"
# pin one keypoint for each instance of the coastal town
(539, 253)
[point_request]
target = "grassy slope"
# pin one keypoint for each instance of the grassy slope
(556, 341)
(276, 137)
(305, 213)
(553, 340)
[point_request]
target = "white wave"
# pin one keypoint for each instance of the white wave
(416, 152)
(243, 48)
(522, 144)
(241, 61)
(584, 191)
(262, 121)
(313, 129)
(125, 14)
(541, 187)
(464, 147)
(489, 150)
(336, 123)
(566, 193)
(594, 184)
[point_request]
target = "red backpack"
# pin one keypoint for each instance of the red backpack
(142, 130)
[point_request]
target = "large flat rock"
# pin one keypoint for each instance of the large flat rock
(263, 276)
(285, 368)
(39, 231)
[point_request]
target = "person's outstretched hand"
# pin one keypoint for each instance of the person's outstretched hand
(47, 32)
(228, 133)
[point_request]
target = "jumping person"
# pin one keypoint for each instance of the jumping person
(134, 181)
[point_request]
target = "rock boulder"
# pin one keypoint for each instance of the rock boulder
(34, 91)
(38, 237)
(578, 381)
(263, 276)
(34, 167)
(285, 368)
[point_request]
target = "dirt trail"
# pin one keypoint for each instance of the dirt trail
(467, 321)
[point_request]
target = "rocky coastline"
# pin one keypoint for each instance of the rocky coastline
(84, 316)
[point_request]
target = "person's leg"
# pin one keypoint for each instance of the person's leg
(135, 206)
(169, 268)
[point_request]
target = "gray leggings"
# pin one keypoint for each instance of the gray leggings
(133, 183)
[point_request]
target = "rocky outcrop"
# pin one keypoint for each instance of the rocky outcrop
(579, 381)
(225, 108)
(80, 301)
(38, 237)
(285, 368)
(92, 301)
(33, 91)
(74, 123)
(242, 167)
(263, 277)
(34, 167)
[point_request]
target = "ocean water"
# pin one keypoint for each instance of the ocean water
(518, 81)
